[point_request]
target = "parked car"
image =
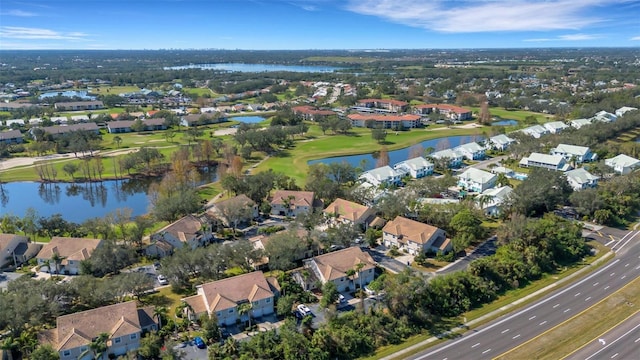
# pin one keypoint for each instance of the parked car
(162, 280)
(341, 299)
(304, 309)
(199, 342)
(369, 291)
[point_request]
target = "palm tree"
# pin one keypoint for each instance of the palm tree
(97, 347)
(230, 346)
(160, 312)
(57, 260)
(117, 140)
(245, 308)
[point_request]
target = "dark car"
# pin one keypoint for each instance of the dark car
(199, 342)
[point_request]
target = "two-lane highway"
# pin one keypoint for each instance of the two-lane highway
(621, 342)
(511, 330)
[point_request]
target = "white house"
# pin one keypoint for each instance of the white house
(335, 267)
(605, 117)
(292, 203)
(471, 151)
(556, 126)
(578, 123)
(382, 175)
(622, 164)
(623, 110)
(189, 231)
(476, 180)
(551, 162)
(63, 255)
(414, 237)
(581, 179)
(500, 142)
(492, 199)
(349, 212)
(579, 153)
(417, 167)
(454, 157)
(536, 131)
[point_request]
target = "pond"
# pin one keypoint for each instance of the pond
(368, 161)
(69, 93)
(506, 122)
(240, 67)
(248, 119)
(78, 202)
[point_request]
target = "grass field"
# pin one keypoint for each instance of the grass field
(518, 115)
(200, 92)
(581, 329)
(113, 90)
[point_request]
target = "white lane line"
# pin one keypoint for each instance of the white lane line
(566, 311)
(638, 339)
(556, 305)
(533, 317)
(609, 243)
(627, 264)
(637, 267)
(623, 276)
(474, 345)
(614, 355)
(627, 242)
(613, 342)
(606, 287)
(515, 337)
(612, 274)
(596, 283)
(486, 351)
(587, 299)
(542, 323)
(505, 331)
(576, 295)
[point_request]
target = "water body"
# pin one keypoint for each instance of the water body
(248, 119)
(69, 93)
(78, 202)
(507, 122)
(239, 67)
(396, 156)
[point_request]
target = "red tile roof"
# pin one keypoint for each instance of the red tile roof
(384, 101)
(379, 117)
(444, 107)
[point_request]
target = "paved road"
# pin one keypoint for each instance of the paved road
(387, 262)
(511, 330)
(621, 342)
(485, 249)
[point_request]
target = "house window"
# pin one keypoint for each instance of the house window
(66, 353)
(134, 336)
(230, 311)
(218, 314)
(268, 300)
(83, 349)
(370, 270)
(117, 340)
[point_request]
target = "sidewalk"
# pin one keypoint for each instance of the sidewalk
(503, 310)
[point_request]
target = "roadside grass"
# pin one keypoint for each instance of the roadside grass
(163, 298)
(583, 328)
(504, 300)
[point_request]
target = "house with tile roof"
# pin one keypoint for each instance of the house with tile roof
(453, 157)
(450, 111)
(190, 231)
(491, 200)
(578, 123)
(335, 266)
(223, 297)
(124, 324)
(384, 121)
(78, 105)
(16, 248)
(386, 104)
(292, 203)
(581, 154)
(581, 179)
(349, 212)
(11, 137)
(536, 131)
(471, 151)
(476, 180)
(384, 175)
(500, 142)
(622, 164)
(414, 237)
(417, 167)
(71, 251)
(311, 113)
(545, 161)
(57, 130)
(556, 126)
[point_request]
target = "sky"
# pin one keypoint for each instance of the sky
(317, 24)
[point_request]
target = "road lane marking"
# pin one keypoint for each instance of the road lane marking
(627, 264)
(566, 311)
(606, 287)
(556, 305)
(533, 317)
(486, 351)
(542, 323)
(623, 276)
(515, 337)
(474, 345)
(576, 295)
(616, 340)
(627, 242)
(614, 355)
(638, 339)
(587, 299)
(505, 331)
(596, 283)
(609, 243)
(612, 274)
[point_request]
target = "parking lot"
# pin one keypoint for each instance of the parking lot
(6, 277)
(189, 351)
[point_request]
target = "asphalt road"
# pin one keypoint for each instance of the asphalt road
(621, 342)
(511, 330)
(485, 249)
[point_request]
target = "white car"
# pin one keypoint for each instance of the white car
(369, 291)
(162, 280)
(304, 309)
(341, 299)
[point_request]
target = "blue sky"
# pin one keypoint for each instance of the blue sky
(317, 24)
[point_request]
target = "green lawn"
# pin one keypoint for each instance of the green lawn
(518, 115)
(200, 92)
(113, 90)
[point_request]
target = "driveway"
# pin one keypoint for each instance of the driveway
(389, 263)
(192, 352)
(485, 249)
(6, 277)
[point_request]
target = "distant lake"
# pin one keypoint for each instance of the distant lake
(396, 156)
(239, 67)
(69, 93)
(506, 122)
(248, 119)
(78, 202)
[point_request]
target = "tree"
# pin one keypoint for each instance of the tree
(329, 294)
(117, 140)
(383, 157)
(137, 125)
(210, 329)
(70, 169)
(485, 115)
(379, 134)
(160, 312)
(57, 261)
(466, 222)
(245, 309)
(45, 352)
(97, 347)
(541, 192)
(284, 249)
(150, 346)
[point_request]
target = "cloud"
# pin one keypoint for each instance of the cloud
(635, 38)
(305, 6)
(20, 13)
(17, 32)
(569, 37)
(473, 16)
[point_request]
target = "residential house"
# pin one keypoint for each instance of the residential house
(536, 131)
(11, 137)
(311, 113)
(503, 170)
(414, 237)
(581, 179)
(225, 297)
(292, 203)
(16, 249)
(78, 105)
(236, 210)
(471, 151)
(124, 126)
(450, 111)
(63, 255)
(556, 126)
(59, 120)
(580, 154)
(124, 324)
(201, 119)
(190, 231)
(336, 267)
(385, 104)
(417, 167)
(491, 200)
(551, 162)
(578, 123)
(453, 157)
(500, 142)
(406, 121)
(605, 117)
(79, 118)
(622, 164)
(349, 212)
(59, 130)
(384, 175)
(18, 122)
(623, 110)
(476, 180)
